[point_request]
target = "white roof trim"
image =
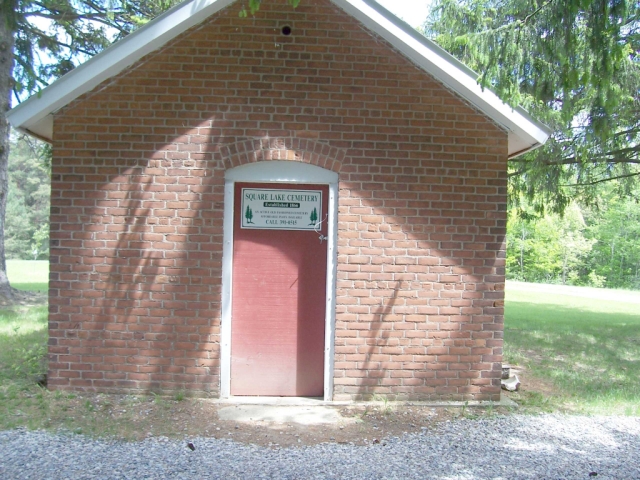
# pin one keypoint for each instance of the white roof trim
(525, 133)
(35, 116)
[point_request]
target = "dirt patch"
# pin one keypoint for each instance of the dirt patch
(363, 425)
(531, 383)
(139, 417)
(13, 297)
(536, 394)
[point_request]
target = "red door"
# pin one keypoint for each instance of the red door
(279, 290)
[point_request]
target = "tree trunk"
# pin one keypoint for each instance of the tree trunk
(6, 87)
(524, 237)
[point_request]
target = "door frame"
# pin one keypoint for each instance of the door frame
(289, 172)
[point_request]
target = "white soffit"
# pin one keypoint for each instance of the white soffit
(35, 115)
(525, 133)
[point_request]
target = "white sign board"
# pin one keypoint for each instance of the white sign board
(264, 208)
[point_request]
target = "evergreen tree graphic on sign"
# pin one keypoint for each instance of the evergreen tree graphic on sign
(248, 214)
(314, 216)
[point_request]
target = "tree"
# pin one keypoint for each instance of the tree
(27, 219)
(254, 6)
(615, 257)
(6, 84)
(575, 64)
(519, 245)
(574, 246)
(40, 41)
(548, 249)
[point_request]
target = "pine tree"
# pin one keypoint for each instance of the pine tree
(27, 219)
(575, 64)
(254, 6)
(32, 56)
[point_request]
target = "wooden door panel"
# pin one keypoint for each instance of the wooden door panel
(278, 307)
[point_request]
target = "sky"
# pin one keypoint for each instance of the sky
(414, 12)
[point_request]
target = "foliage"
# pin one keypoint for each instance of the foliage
(575, 65)
(23, 338)
(53, 36)
(587, 246)
(27, 220)
(41, 41)
(254, 6)
(615, 257)
(547, 249)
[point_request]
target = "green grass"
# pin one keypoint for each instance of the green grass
(588, 349)
(23, 348)
(23, 340)
(23, 345)
(31, 275)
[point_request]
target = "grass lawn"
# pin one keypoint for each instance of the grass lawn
(23, 348)
(32, 275)
(584, 342)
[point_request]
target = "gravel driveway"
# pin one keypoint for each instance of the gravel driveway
(510, 447)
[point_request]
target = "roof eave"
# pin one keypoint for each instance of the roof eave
(525, 133)
(35, 115)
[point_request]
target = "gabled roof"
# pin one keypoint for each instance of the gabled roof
(35, 115)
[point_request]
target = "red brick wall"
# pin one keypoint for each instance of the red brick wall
(137, 208)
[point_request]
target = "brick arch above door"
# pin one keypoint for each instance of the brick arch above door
(287, 149)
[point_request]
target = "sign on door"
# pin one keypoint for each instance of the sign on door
(276, 209)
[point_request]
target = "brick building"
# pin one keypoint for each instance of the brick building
(309, 202)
